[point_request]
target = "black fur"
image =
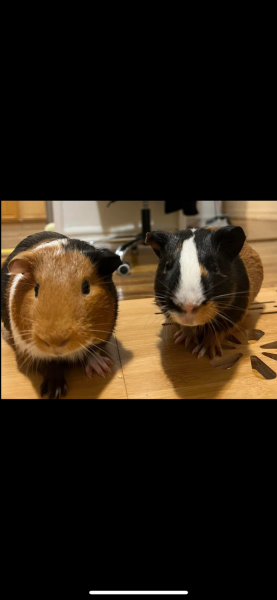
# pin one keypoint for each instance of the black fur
(218, 252)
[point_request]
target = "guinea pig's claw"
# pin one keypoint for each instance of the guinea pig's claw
(99, 365)
(44, 388)
(202, 352)
(184, 336)
(198, 350)
(53, 390)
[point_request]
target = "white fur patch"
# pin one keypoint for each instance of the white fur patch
(56, 243)
(190, 289)
(19, 342)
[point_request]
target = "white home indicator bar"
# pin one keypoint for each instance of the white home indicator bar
(139, 593)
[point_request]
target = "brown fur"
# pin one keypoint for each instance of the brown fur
(203, 270)
(254, 269)
(255, 272)
(151, 242)
(253, 266)
(61, 311)
(205, 313)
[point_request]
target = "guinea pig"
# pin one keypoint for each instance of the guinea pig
(205, 282)
(60, 304)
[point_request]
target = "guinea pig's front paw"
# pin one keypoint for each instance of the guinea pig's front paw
(98, 364)
(187, 335)
(54, 388)
(211, 349)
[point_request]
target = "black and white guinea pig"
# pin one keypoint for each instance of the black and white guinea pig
(205, 282)
(60, 304)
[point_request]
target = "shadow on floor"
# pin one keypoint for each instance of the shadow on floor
(197, 379)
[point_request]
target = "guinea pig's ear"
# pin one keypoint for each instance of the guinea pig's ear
(229, 241)
(157, 240)
(107, 262)
(22, 263)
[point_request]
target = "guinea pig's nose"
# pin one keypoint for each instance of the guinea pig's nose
(56, 344)
(190, 308)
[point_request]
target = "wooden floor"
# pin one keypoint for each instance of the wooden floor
(149, 365)
(147, 362)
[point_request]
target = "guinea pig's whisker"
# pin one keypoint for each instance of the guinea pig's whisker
(232, 294)
(214, 286)
(223, 325)
(92, 352)
(230, 306)
(104, 341)
(19, 338)
(81, 359)
(17, 334)
(26, 338)
(26, 333)
(213, 327)
(29, 364)
(27, 358)
(229, 321)
(91, 344)
(98, 331)
(166, 286)
(105, 351)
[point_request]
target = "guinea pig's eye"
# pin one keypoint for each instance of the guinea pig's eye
(213, 267)
(36, 290)
(168, 265)
(85, 288)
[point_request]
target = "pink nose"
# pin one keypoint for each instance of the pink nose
(190, 308)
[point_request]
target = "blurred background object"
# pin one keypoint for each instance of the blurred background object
(132, 245)
(50, 227)
(49, 211)
(20, 218)
(93, 220)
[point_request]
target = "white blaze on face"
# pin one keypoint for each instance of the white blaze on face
(190, 290)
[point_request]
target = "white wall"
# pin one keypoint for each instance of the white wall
(252, 209)
(92, 218)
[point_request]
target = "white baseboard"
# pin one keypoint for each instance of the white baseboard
(253, 214)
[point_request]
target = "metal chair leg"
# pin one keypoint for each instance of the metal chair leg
(125, 268)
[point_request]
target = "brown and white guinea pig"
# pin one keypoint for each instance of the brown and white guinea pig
(205, 282)
(60, 304)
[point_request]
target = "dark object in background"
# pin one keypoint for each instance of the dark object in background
(189, 207)
(132, 244)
